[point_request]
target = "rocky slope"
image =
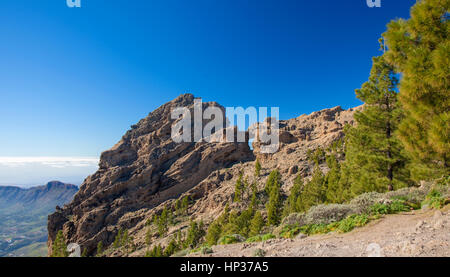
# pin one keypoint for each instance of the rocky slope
(146, 170)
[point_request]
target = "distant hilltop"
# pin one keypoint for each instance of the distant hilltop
(26, 209)
(50, 195)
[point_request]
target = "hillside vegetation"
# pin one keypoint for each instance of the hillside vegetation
(337, 170)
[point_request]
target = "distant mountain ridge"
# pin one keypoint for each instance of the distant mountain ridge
(23, 216)
(52, 194)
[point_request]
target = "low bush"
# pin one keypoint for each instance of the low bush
(434, 200)
(206, 250)
(379, 209)
(343, 226)
(326, 214)
(362, 203)
(230, 239)
(259, 253)
(392, 207)
(259, 238)
(352, 222)
(290, 231)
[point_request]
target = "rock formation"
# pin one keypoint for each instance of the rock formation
(144, 169)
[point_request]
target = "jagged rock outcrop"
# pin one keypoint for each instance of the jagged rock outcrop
(297, 136)
(144, 169)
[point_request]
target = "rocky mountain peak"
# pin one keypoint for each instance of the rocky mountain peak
(144, 169)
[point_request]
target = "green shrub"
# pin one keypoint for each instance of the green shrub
(268, 236)
(230, 239)
(394, 207)
(289, 231)
(434, 199)
(398, 206)
(345, 225)
(379, 209)
(259, 238)
(313, 229)
(352, 222)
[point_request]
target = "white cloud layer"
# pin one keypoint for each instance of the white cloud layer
(58, 162)
(39, 170)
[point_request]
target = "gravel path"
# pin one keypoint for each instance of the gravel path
(418, 233)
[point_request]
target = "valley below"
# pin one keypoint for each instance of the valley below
(23, 217)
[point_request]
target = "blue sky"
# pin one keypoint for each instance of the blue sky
(72, 81)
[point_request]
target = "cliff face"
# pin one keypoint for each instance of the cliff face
(144, 169)
(297, 136)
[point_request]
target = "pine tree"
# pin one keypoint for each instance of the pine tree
(318, 156)
(155, 219)
(335, 191)
(290, 205)
(214, 233)
(194, 234)
(124, 241)
(156, 252)
(274, 178)
(59, 248)
(185, 204)
(375, 157)
(257, 168)
(314, 191)
(178, 207)
(238, 189)
(99, 248)
(118, 239)
(256, 224)
(148, 237)
(179, 238)
(419, 48)
(243, 222)
(171, 248)
(230, 223)
(254, 198)
(274, 204)
(163, 222)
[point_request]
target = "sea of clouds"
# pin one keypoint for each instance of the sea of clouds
(31, 171)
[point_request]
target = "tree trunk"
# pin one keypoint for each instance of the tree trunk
(390, 177)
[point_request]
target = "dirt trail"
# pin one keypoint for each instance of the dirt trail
(418, 233)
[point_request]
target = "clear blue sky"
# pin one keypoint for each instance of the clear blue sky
(72, 81)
